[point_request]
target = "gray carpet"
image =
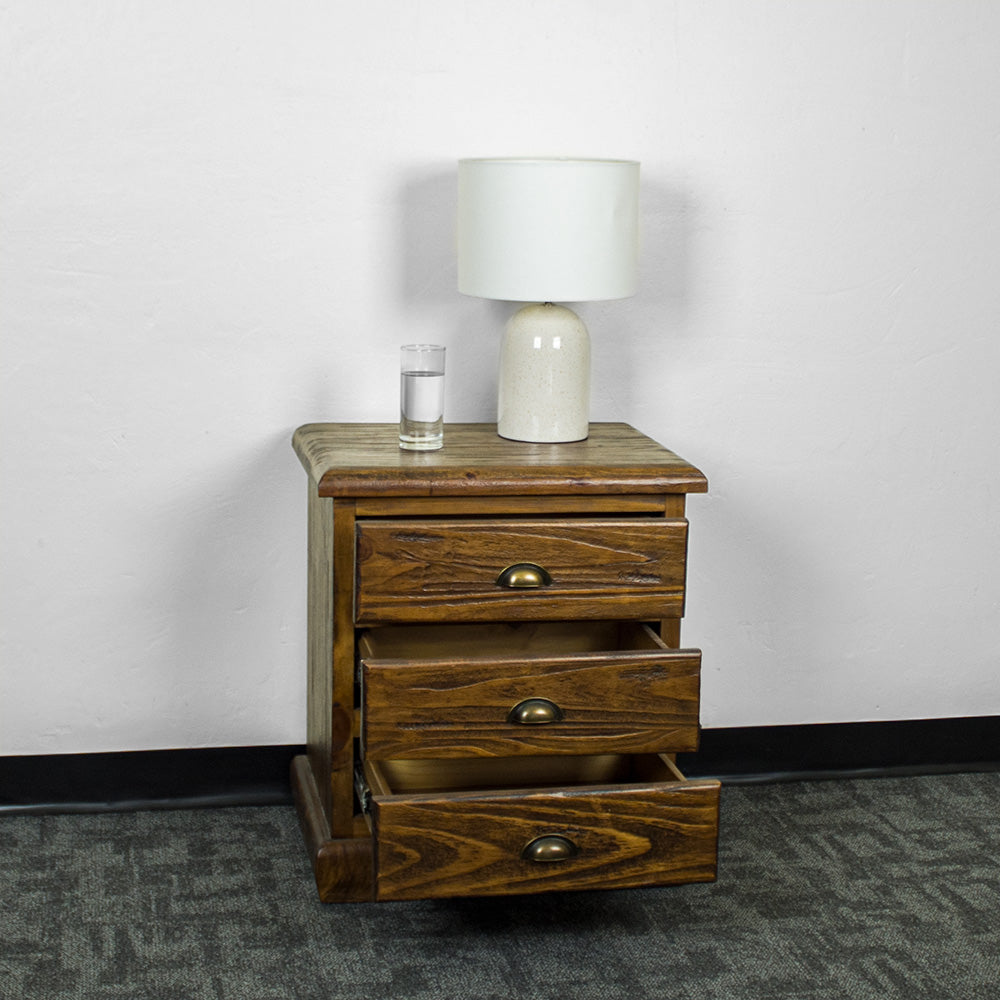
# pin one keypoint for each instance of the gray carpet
(875, 888)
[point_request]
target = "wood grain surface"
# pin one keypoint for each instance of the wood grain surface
(319, 694)
(343, 671)
(362, 460)
(447, 570)
(618, 689)
(503, 506)
(470, 843)
(344, 868)
(405, 553)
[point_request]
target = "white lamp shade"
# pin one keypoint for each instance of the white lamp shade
(548, 230)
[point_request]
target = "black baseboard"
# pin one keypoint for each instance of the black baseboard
(146, 779)
(230, 776)
(846, 749)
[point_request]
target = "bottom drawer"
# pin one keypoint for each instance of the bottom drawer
(488, 827)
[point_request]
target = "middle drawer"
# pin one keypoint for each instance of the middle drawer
(526, 689)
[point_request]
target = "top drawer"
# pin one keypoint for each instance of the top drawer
(453, 570)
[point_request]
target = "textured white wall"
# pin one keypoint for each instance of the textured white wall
(220, 220)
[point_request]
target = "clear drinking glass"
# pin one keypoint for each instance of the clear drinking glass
(421, 397)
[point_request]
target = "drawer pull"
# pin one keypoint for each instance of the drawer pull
(535, 712)
(524, 576)
(550, 848)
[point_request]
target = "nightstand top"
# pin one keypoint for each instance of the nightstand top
(364, 460)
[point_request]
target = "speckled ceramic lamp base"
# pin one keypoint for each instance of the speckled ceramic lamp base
(544, 392)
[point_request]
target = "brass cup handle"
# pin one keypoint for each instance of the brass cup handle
(524, 576)
(549, 848)
(535, 712)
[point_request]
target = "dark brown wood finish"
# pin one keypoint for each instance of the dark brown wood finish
(342, 693)
(343, 867)
(616, 689)
(511, 506)
(403, 547)
(412, 571)
(364, 460)
(626, 834)
(320, 646)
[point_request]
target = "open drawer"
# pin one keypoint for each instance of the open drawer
(526, 689)
(487, 827)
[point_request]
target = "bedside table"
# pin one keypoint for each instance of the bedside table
(496, 689)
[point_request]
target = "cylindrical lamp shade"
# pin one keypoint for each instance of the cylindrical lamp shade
(548, 230)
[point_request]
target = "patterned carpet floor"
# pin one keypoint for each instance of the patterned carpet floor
(877, 888)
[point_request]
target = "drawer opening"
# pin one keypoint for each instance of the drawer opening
(420, 777)
(525, 690)
(508, 639)
(482, 827)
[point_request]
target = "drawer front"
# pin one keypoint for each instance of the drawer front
(453, 570)
(545, 839)
(621, 691)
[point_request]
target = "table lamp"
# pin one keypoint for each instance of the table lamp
(544, 231)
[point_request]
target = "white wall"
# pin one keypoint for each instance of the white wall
(219, 220)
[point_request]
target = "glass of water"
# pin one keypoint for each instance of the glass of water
(421, 397)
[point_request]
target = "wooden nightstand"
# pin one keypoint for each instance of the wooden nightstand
(496, 688)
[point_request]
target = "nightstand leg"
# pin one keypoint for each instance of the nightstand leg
(344, 868)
